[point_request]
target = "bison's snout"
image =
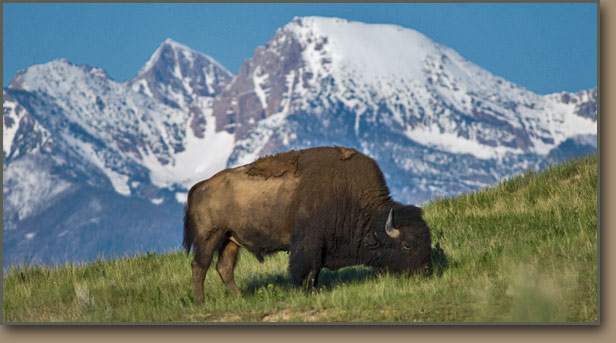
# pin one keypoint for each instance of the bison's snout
(424, 269)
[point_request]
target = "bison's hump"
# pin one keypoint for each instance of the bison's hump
(275, 166)
(279, 164)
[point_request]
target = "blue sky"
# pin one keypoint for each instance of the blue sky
(543, 47)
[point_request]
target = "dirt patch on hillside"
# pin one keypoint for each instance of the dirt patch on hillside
(286, 315)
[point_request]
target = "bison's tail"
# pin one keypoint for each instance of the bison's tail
(189, 229)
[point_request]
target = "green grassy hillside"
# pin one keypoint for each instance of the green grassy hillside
(525, 250)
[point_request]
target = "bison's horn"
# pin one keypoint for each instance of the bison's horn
(389, 226)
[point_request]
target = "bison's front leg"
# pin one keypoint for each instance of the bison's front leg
(305, 262)
(311, 280)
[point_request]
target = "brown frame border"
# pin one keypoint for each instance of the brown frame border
(298, 333)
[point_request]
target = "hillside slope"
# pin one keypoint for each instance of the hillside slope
(523, 251)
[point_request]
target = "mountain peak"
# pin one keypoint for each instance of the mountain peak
(177, 75)
(169, 40)
(376, 50)
(169, 45)
(42, 76)
(178, 46)
(312, 20)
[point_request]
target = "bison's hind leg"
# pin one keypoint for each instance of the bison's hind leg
(204, 251)
(227, 256)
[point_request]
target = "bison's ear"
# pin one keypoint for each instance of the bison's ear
(389, 226)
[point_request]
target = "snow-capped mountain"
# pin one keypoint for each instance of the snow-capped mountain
(437, 124)
(97, 167)
(70, 129)
(184, 79)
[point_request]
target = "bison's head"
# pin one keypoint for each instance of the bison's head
(401, 242)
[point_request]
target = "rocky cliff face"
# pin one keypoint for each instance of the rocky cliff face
(94, 167)
(184, 79)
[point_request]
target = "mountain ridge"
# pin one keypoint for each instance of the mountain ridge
(184, 117)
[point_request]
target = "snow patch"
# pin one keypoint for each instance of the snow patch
(118, 181)
(201, 158)
(31, 187)
(258, 81)
(181, 197)
(256, 140)
(142, 84)
(374, 49)
(588, 139)
(449, 142)
(8, 133)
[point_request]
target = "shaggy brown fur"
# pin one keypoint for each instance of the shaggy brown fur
(275, 166)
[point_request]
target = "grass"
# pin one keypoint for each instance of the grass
(523, 251)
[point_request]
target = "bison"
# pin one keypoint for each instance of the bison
(328, 206)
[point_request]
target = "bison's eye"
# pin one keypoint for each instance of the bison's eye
(406, 246)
